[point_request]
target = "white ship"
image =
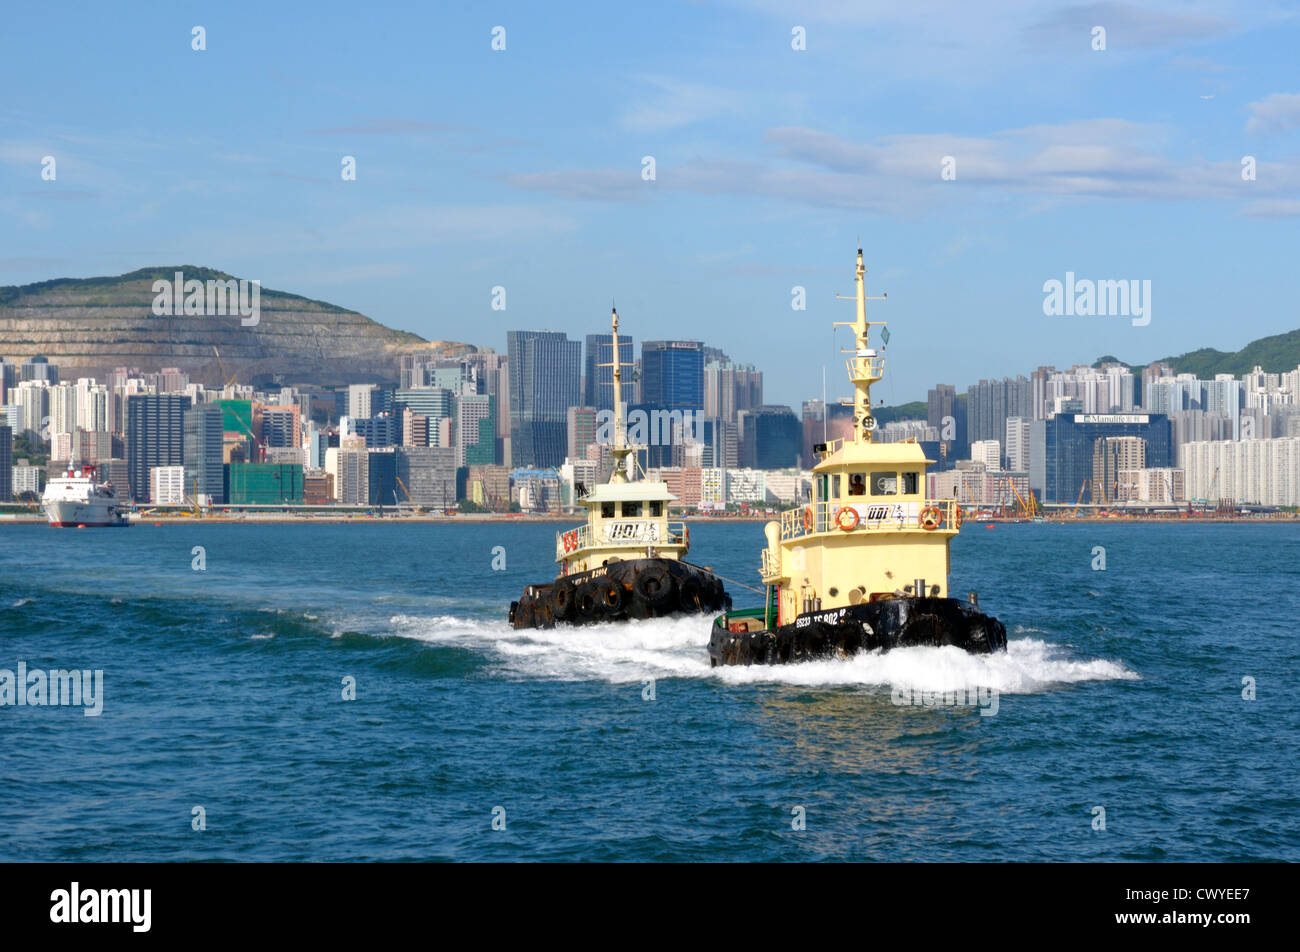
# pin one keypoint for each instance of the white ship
(75, 500)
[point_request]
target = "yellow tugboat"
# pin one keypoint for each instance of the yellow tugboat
(628, 561)
(864, 565)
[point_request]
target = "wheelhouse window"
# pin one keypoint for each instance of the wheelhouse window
(656, 509)
(631, 509)
(607, 510)
(910, 483)
(835, 486)
(857, 484)
(884, 484)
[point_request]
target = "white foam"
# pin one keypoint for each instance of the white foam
(678, 647)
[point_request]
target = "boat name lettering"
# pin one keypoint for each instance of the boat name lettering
(632, 531)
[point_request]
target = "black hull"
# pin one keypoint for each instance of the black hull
(636, 588)
(872, 626)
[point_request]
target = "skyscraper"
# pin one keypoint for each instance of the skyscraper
(730, 388)
(201, 451)
(6, 462)
(8, 380)
(598, 386)
(545, 369)
(770, 437)
(948, 415)
(155, 433)
(990, 402)
(39, 368)
(672, 374)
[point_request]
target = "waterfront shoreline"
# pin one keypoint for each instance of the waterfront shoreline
(280, 518)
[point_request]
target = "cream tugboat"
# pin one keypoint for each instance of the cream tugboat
(628, 561)
(864, 565)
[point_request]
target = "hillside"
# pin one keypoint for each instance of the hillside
(1276, 354)
(89, 326)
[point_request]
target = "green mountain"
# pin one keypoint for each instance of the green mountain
(1277, 354)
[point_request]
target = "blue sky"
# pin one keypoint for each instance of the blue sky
(522, 168)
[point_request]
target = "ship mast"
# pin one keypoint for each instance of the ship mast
(865, 366)
(620, 450)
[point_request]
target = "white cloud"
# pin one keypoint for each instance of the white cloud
(1279, 112)
(669, 104)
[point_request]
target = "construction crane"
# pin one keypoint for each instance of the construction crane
(231, 379)
(1079, 502)
(409, 501)
(1030, 507)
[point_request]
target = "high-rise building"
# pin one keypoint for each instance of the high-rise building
(580, 428)
(155, 432)
(63, 409)
(1259, 472)
(947, 413)
(1069, 442)
(6, 462)
(280, 425)
(38, 368)
(8, 380)
(378, 431)
(201, 452)
(990, 402)
(382, 477)
(598, 381)
(770, 437)
(730, 388)
(33, 400)
(91, 446)
(360, 399)
(1112, 455)
(350, 467)
(672, 374)
(1017, 444)
(429, 475)
(545, 371)
(475, 429)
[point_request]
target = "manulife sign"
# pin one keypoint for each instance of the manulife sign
(1111, 418)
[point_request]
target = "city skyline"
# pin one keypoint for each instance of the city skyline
(771, 163)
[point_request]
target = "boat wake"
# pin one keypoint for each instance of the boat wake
(676, 648)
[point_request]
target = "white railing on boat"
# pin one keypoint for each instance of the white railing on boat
(872, 517)
(573, 540)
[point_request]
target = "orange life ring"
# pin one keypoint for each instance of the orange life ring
(807, 519)
(686, 536)
(852, 518)
(956, 516)
(931, 517)
(570, 541)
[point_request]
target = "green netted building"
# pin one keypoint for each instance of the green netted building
(263, 484)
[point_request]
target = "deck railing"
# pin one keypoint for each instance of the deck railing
(872, 517)
(581, 537)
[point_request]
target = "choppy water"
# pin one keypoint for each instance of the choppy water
(1121, 689)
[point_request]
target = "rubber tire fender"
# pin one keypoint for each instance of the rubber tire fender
(611, 597)
(564, 599)
(588, 600)
(653, 585)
